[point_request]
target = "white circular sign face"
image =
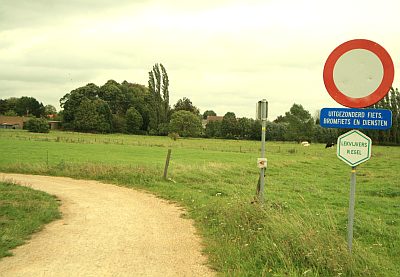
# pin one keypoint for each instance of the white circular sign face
(358, 79)
(358, 73)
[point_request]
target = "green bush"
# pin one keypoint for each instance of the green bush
(185, 124)
(173, 136)
(37, 125)
(134, 120)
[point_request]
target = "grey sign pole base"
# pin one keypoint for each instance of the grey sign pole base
(262, 114)
(262, 170)
(351, 208)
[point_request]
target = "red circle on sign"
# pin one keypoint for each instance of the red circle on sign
(375, 96)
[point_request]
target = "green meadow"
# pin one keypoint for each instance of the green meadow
(299, 231)
(23, 211)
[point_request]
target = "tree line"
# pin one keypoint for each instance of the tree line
(25, 106)
(128, 108)
(392, 136)
(31, 108)
(295, 125)
(136, 109)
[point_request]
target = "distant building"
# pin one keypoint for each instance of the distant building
(214, 118)
(51, 116)
(17, 122)
(12, 122)
(211, 118)
(54, 124)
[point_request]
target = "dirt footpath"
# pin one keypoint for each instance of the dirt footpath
(107, 230)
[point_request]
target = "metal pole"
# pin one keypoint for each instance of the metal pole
(351, 208)
(261, 195)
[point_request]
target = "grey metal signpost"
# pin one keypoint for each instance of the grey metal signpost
(353, 148)
(262, 170)
(351, 208)
(262, 114)
(357, 74)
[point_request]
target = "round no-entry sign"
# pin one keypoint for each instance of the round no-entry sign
(358, 73)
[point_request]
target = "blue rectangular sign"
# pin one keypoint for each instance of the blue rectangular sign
(378, 119)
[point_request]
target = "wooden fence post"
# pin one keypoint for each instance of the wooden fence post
(167, 164)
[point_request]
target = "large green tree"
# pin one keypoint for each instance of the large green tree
(26, 106)
(325, 135)
(395, 108)
(280, 119)
(392, 136)
(213, 129)
(93, 116)
(244, 127)
(119, 124)
(159, 92)
(137, 96)
(276, 131)
(208, 113)
(185, 104)
(256, 130)
(112, 94)
(49, 110)
(118, 97)
(165, 95)
(134, 120)
(3, 106)
(86, 116)
(23, 106)
(71, 102)
(300, 124)
(37, 125)
(7, 106)
(185, 123)
(229, 126)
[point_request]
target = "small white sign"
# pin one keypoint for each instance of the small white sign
(262, 163)
(354, 147)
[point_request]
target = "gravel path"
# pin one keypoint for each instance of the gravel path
(107, 230)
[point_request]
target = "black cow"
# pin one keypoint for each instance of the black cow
(329, 145)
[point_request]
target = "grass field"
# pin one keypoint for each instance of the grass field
(301, 229)
(22, 212)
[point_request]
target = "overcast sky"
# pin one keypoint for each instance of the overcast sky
(224, 55)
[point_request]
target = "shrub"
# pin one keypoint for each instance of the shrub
(134, 120)
(185, 123)
(173, 136)
(37, 125)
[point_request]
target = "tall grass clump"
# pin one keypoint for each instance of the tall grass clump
(251, 240)
(120, 174)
